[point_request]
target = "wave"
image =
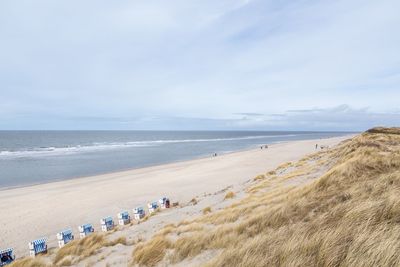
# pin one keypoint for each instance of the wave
(98, 146)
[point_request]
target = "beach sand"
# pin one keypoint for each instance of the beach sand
(43, 210)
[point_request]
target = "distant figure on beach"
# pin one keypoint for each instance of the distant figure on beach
(316, 146)
(261, 147)
(266, 146)
(215, 154)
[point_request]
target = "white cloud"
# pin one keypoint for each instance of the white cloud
(197, 59)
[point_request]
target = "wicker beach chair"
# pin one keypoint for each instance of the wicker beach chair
(64, 237)
(6, 256)
(152, 207)
(124, 218)
(85, 230)
(38, 246)
(138, 213)
(164, 203)
(107, 224)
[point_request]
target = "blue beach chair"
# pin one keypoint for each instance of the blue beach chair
(6, 256)
(138, 213)
(64, 237)
(107, 224)
(85, 230)
(37, 247)
(152, 207)
(124, 218)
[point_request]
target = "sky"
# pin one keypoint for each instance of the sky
(199, 64)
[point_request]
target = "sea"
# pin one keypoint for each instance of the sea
(34, 157)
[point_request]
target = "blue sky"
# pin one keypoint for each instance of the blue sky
(179, 64)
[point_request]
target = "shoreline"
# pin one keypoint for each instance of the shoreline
(5, 188)
(44, 209)
(127, 169)
(143, 167)
(200, 157)
(138, 168)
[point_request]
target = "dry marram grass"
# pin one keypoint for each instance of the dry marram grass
(152, 252)
(29, 262)
(77, 250)
(206, 210)
(229, 195)
(81, 248)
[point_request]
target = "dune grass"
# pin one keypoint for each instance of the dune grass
(259, 177)
(152, 252)
(119, 240)
(383, 130)
(193, 201)
(350, 216)
(81, 248)
(77, 250)
(206, 210)
(29, 262)
(229, 195)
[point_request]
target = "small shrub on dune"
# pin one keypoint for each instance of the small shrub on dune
(29, 262)
(67, 261)
(151, 252)
(119, 240)
(183, 223)
(193, 227)
(186, 248)
(81, 248)
(167, 229)
(229, 195)
(206, 210)
(193, 201)
(284, 166)
(259, 177)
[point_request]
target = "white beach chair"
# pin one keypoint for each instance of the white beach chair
(85, 230)
(124, 218)
(6, 256)
(138, 213)
(107, 224)
(164, 202)
(37, 247)
(152, 207)
(64, 237)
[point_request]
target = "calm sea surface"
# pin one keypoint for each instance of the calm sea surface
(31, 157)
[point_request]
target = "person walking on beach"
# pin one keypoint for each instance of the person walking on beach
(316, 146)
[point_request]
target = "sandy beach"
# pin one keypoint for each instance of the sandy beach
(43, 210)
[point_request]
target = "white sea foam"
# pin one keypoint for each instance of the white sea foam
(98, 146)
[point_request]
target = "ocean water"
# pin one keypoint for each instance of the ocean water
(31, 157)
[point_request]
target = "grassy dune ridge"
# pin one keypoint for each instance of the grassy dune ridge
(349, 216)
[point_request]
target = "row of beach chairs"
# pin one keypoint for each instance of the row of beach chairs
(39, 246)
